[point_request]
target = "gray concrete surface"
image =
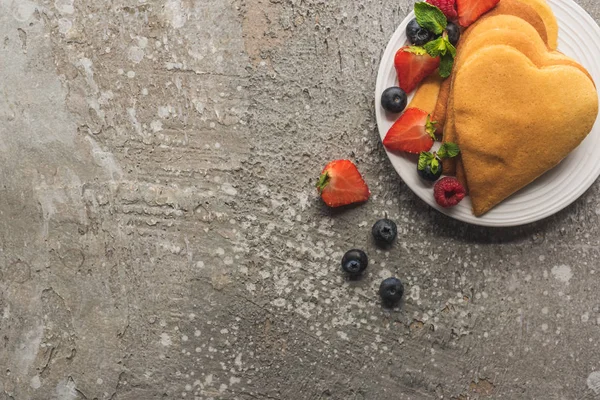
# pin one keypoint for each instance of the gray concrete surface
(160, 236)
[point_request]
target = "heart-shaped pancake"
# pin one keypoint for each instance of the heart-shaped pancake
(507, 30)
(515, 120)
(504, 7)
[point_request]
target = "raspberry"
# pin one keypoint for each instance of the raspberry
(448, 192)
(448, 7)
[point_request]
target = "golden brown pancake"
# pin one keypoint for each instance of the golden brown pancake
(515, 120)
(545, 12)
(522, 37)
(515, 8)
(426, 96)
(509, 30)
(504, 7)
(439, 113)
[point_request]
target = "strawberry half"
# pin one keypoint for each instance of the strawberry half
(341, 184)
(469, 11)
(413, 132)
(448, 7)
(413, 64)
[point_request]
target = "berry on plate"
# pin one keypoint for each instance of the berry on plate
(430, 164)
(413, 64)
(413, 132)
(354, 262)
(448, 7)
(429, 167)
(391, 291)
(469, 11)
(341, 184)
(393, 99)
(448, 192)
(453, 31)
(417, 35)
(384, 232)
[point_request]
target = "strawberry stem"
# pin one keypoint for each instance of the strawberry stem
(323, 181)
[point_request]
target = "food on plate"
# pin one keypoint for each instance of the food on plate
(541, 120)
(448, 192)
(499, 29)
(545, 12)
(384, 232)
(391, 291)
(469, 11)
(413, 132)
(355, 262)
(417, 35)
(448, 7)
(413, 64)
(426, 96)
(433, 19)
(512, 106)
(394, 99)
(509, 30)
(498, 18)
(341, 184)
(430, 165)
(453, 32)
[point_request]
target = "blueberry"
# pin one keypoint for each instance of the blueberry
(391, 291)
(384, 232)
(394, 99)
(453, 33)
(354, 262)
(428, 175)
(417, 35)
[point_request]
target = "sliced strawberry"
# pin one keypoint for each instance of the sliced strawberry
(413, 132)
(413, 64)
(448, 7)
(341, 184)
(469, 11)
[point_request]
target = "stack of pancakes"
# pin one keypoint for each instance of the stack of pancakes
(515, 105)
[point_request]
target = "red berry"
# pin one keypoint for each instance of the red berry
(448, 192)
(448, 7)
(469, 11)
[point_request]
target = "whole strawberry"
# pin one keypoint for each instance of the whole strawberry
(448, 7)
(341, 184)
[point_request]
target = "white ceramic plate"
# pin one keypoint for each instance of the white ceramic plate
(579, 38)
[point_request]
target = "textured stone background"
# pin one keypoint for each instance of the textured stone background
(160, 236)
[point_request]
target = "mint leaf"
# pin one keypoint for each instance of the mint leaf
(440, 47)
(446, 65)
(424, 158)
(448, 150)
(323, 181)
(435, 166)
(452, 149)
(430, 17)
(450, 47)
(436, 47)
